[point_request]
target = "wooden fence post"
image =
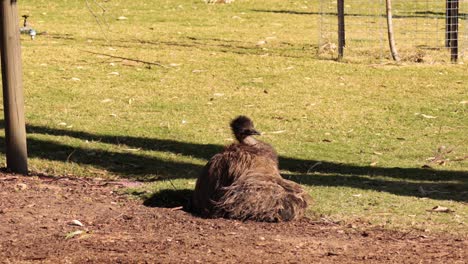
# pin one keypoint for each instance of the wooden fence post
(448, 4)
(341, 28)
(13, 101)
(453, 31)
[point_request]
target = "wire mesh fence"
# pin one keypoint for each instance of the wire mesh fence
(427, 31)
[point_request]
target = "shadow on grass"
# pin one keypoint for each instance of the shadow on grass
(436, 184)
(432, 189)
(282, 48)
(416, 174)
(417, 14)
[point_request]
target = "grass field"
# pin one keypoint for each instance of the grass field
(355, 135)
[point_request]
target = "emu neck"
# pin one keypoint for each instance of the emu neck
(249, 140)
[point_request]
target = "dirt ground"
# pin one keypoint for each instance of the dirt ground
(36, 215)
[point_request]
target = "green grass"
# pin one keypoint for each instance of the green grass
(355, 135)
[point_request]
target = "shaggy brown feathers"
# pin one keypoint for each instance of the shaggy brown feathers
(243, 182)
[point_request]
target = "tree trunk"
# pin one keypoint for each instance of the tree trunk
(391, 39)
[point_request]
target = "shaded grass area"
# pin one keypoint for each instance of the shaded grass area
(417, 14)
(440, 184)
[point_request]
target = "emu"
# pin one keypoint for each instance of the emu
(243, 182)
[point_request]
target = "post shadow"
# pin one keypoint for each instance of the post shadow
(422, 174)
(293, 165)
(204, 151)
(440, 184)
(128, 165)
(433, 190)
(417, 14)
(285, 49)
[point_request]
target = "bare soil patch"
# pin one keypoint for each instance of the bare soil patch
(35, 216)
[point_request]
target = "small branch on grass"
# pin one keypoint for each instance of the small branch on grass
(313, 166)
(173, 186)
(124, 58)
(461, 159)
(69, 156)
(440, 156)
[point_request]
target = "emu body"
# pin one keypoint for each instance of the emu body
(243, 182)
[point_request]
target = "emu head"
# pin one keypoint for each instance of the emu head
(243, 127)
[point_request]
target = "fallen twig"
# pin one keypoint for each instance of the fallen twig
(69, 156)
(125, 58)
(461, 159)
(313, 166)
(177, 208)
(8, 179)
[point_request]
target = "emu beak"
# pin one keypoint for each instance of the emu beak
(254, 132)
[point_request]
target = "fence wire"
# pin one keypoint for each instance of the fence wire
(427, 31)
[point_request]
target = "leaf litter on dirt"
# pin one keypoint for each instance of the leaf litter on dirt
(73, 234)
(21, 187)
(75, 223)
